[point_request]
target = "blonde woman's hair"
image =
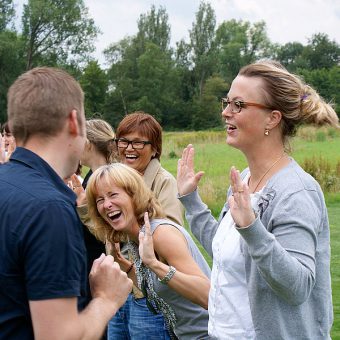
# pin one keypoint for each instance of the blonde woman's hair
(101, 135)
(298, 102)
(128, 179)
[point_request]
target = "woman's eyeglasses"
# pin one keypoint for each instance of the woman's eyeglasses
(136, 144)
(237, 105)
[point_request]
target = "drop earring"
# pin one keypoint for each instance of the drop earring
(266, 132)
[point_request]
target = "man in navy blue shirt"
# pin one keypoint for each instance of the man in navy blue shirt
(42, 253)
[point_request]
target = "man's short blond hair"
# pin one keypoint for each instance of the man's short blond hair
(40, 100)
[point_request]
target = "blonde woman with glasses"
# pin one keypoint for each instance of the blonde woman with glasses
(270, 245)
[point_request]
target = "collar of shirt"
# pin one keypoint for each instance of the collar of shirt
(32, 160)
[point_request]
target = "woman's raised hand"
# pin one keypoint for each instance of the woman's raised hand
(78, 190)
(146, 249)
(187, 180)
(240, 202)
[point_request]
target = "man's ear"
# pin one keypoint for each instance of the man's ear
(73, 125)
(274, 119)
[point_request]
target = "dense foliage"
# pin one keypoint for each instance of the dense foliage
(181, 86)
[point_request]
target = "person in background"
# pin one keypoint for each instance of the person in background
(7, 143)
(139, 145)
(42, 253)
(99, 149)
(167, 266)
(2, 150)
(271, 245)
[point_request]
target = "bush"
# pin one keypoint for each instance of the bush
(320, 168)
(320, 134)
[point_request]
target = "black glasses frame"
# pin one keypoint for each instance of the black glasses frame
(123, 143)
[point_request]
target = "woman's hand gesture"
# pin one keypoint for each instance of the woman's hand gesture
(240, 202)
(78, 189)
(146, 249)
(187, 180)
(114, 250)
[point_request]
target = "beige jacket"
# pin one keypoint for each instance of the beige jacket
(163, 184)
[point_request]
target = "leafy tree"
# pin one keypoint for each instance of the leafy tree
(122, 77)
(56, 31)
(94, 83)
(327, 83)
(239, 43)
(334, 91)
(142, 74)
(10, 53)
(182, 55)
(157, 81)
(154, 27)
(11, 65)
(209, 105)
(290, 55)
(321, 52)
(184, 67)
(7, 14)
(202, 37)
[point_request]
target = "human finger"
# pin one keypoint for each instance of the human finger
(147, 224)
(108, 260)
(108, 246)
(70, 184)
(75, 181)
(232, 179)
(191, 157)
(238, 182)
(117, 247)
(188, 150)
(96, 263)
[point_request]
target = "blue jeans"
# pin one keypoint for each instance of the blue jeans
(134, 321)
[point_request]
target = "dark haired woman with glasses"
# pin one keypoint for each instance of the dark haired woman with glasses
(139, 144)
(270, 246)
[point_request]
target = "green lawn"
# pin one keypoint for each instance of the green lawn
(334, 219)
(215, 158)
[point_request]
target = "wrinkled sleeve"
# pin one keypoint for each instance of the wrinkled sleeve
(166, 193)
(201, 222)
(285, 255)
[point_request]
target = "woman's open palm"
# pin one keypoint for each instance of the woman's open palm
(187, 179)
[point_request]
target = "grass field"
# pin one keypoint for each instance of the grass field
(215, 158)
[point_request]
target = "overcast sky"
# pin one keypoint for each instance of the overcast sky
(286, 20)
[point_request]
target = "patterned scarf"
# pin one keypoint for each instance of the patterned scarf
(145, 283)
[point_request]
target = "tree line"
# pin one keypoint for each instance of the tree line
(181, 86)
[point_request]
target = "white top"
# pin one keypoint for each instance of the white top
(229, 309)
